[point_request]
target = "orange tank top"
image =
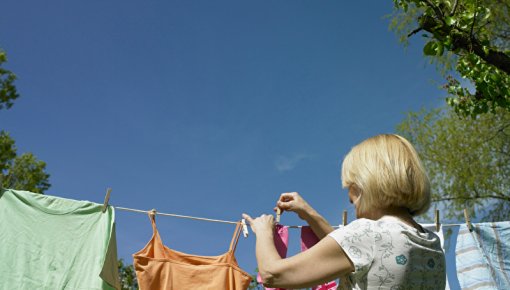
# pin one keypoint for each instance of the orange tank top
(161, 268)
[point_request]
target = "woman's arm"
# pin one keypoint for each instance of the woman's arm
(323, 262)
(319, 225)
(292, 201)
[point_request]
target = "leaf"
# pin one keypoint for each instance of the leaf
(439, 49)
(450, 21)
(485, 50)
(465, 157)
(430, 48)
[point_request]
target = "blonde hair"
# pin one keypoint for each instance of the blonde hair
(388, 172)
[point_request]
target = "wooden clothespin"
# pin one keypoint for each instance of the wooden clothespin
(278, 214)
(245, 228)
(438, 225)
(468, 220)
(106, 199)
(344, 218)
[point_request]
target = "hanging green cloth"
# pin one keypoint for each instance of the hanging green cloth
(53, 243)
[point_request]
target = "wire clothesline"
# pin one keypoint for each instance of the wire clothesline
(187, 216)
(184, 216)
(208, 219)
(176, 215)
(243, 222)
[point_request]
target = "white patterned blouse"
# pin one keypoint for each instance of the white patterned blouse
(389, 254)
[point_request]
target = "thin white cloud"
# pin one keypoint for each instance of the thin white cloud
(286, 163)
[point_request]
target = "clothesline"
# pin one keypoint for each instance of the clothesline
(187, 216)
(208, 219)
(176, 215)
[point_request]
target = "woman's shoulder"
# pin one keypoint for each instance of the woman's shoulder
(368, 224)
(358, 229)
(386, 225)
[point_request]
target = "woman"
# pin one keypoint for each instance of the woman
(385, 248)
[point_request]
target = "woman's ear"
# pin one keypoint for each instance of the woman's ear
(354, 193)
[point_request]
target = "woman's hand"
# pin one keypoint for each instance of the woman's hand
(292, 201)
(261, 224)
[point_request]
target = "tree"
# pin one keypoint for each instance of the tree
(469, 37)
(25, 171)
(468, 160)
(8, 92)
(127, 276)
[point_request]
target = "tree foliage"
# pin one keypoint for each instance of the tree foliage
(23, 172)
(8, 92)
(468, 160)
(471, 37)
(254, 285)
(127, 276)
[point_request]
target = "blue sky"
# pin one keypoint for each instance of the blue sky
(205, 108)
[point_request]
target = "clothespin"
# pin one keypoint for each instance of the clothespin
(278, 214)
(245, 228)
(468, 220)
(106, 199)
(438, 225)
(344, 218)
(152, 212)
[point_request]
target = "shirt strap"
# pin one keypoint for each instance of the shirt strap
(235, 237)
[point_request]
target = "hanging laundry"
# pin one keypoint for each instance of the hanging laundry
(281, 241)
(483, 256)
(158, 267)
(53, 243)
(308, 239)
(472, 269)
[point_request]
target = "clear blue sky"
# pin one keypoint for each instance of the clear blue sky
(206, 108)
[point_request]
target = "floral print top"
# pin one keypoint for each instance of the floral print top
(389, 254)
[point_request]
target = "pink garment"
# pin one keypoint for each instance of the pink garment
(281, 240)
(308, 239)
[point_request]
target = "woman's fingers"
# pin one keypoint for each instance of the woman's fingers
(285, 206)
(263, 222)
(288, 201)
(268, 217)
(248, 218)
(288, 196)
